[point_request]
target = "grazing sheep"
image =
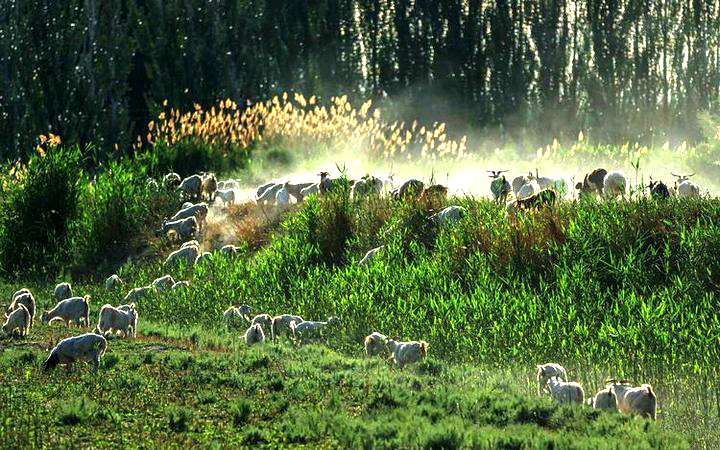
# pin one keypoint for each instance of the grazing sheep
(659, 190)
(113, 282)
(296, 189)
(71, 310)
(370, 256)
(180, 285)
(87, 347)
(187, 254)
(24, 298)
(449, 215)
(303, 330)
(518, 182)
(230, 250)
(557, 183)
(112, 320)
(254, 335)
(367, 185)
(404, 353)
(411, 189)
(171, 179)
(201, 258)
(547, 371)
(593, 182)
(282, 196)
(226, 195)
(268, 195)
(190, 243)
(163, 283)
(208, 187)
(435, 192)
(312, 189)
(230, 183)
(63, 291)
(635, 400)
(499, 186)
(152, 184)
(138, 293)
(232, 317)
(191, 187)
(19, 320)
(198, 210)
(375, 344)
(565, 392)
(232, 314)
(183, 228)
(538, 201)
(688, 189)
(281, 324)
(527, 190)
(604, 399)
(615, 183)
(261, 190)
(328, 183)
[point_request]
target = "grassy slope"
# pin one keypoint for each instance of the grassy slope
(173, 387)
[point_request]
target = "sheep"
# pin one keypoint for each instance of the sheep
(614, 184)
(71, 310)
(435, 192)
(303, 330)
(499, 186)
(547, 371)
(527, 190)
(87, 347)
(375, 344)
(449, 215)
(230, 250)
(19, 319)
(112, 319)
(593, 182)
(296, 189)
(658, 190)
(187, 254)
(367, 185)
(232, 314)
(282, 196)
(191, 186)
(636, 400)
(208, 187)
(565, 392)
(281, 324)
(261, 190)
(410, 189)
(230, 184)
(226, 195)
(540, 200)
(686, 188)
(138, 293)
(254, 335)
(556, 182)
(190, 243)
(163, 283)
(63, 291)
(404, 353)
(328, 183)
(263, 320)
(198, 210)
(604, 399)
(24, 298)
(312, 189)
(518, 182)
(171, 179)
(113, 282)
(128, 307)
(180, 285)
(370, 256)
(268, 196)
(201, 258)
(183, 228)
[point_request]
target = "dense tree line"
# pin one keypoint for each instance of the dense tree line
(96, 70)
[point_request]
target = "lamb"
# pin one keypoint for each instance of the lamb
(370, 256)
(636, 400)
(180, 285)
(113, 282)
(615, 183)
(185, 254)
(659, 190)
(198, 210)
(449, 215)
(565, 392)
(410, 189)
(547, 371)
(208, 187)
(593, 182)
(183, 228)
(281, 324)
(24, 298)
(163, 283)
(87, 347)
(303, 330)
(63, 291)
(73, 310)
(19, 320)
(138, 293)
(191, 186)
(375, 344)
(282, 196)
(254, 335)
(226, 195)
(112, 319)
(404, 353)
(499, 186)
(604, 399)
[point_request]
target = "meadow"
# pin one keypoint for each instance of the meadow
(622, 289)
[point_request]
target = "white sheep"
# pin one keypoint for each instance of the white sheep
(138, 293)
(263, 320)
(201, 258)
(191, 186)
(185, 254)
(312, 189)
(180, 285)
(303, 330)
(171, 179)
(281, 324)
(370, 256)
(688, 189)
(565, 392)
(87, 347)
(639, 400)
(261, 190)
(230, 250)
(518, 182)
(268, 195)
(182, 228)
(528, 190)
(449, 215)
(233, 315)
(63, 291)
(254, 335)
(113, 282)
(112, 320)
(615, 183)
(163, 283)
(230, 183)
(197, 210)
(375, 344)
(404, 353)
(604, 399)
(226, 195)
(25, 298)
(547, 371)
(73, 310)
(556, 182)
(282, 196)
(18, 320)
